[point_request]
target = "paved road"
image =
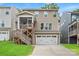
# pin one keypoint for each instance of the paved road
(51, 50)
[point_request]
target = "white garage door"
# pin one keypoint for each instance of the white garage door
(46, 39)
(4, 35)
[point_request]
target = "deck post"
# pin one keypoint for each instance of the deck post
(68, 36)
(77, 32)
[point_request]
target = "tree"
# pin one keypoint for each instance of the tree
(76, 10)
(50, 6)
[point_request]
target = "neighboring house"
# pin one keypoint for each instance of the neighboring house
(65, 21)
(70, 27)
(73, 28)
(30, 26)
(7, 16)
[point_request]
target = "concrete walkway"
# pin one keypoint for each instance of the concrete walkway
(51, 50)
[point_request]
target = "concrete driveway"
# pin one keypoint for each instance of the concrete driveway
(51, 50)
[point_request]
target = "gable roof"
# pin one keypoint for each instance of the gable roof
(74, 12)
(24, 12)
(40, 9)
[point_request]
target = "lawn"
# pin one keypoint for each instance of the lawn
(73, 47)
(12, 49)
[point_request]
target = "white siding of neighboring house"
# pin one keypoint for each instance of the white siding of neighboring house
(5, 18)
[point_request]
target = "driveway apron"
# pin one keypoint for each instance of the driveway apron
(51, 50)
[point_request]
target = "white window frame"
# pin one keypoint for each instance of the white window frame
(18, 24)
(45, 13)
(36, 13)
(74, 17)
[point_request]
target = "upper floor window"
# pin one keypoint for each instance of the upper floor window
(7, 13)
(55, 14)
(2, 24)
(50, 26)
(74, 17)
(45, 14)
(42, 26)
(46, 27)
(36, 13)
(29, 21)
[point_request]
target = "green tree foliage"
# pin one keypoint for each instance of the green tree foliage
(76, 10)
(50, 6)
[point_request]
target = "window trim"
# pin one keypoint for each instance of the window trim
(73, 19)
(45, 13)
(36, 13)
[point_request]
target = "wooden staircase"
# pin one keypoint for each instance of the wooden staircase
(25, 34)
(22, 36)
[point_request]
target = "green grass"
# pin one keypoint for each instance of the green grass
(12, 49)
(73, 47)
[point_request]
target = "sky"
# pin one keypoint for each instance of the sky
(62, 6)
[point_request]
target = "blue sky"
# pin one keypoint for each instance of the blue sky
(63, 6)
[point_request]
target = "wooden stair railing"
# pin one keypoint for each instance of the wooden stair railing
(22, 37)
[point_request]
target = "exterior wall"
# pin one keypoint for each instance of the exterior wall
(8, 19)
(49, 19)
(65, 21)
(11, 19)
(26, 15)
(78, 39)
(74, 28)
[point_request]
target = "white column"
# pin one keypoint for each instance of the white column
(18, 23)
(32, 21)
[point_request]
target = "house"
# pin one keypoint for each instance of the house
(65, 21)
(69, 27)
(7, 16)
(73, 29)
(29, 26)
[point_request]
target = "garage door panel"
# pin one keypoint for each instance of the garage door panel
(4, 35)
(46, 40)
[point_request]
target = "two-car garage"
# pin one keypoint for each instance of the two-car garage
(46, 39)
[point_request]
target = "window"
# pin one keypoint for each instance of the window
(36, 13)
(42, 26)
(74, 17)
(50, 26)
(2, 24)
(55, 14)
(3, 32)
(53, 36)
(45, 14)
(16, 23)
(38, 36)
(23, 20)
(29, 21)
(46, 27)
(7, 12)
